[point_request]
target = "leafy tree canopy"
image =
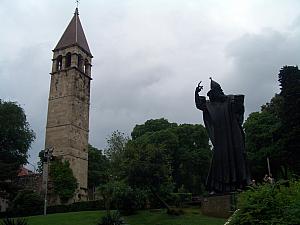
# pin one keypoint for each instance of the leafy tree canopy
(152, 125)
(262, 141)
(97, 168)
(15, 140)
(185, 146)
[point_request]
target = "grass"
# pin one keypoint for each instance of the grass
(192, 216)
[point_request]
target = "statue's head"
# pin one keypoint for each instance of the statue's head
(216, 93)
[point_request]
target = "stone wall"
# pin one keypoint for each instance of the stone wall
(219, 206)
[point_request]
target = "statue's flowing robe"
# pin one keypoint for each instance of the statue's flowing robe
(223, 121)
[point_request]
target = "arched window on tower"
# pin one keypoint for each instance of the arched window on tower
(68, 60)
(86, 67)
(59, 63)
(79, 63)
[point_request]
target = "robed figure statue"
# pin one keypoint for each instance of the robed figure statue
(223, 117)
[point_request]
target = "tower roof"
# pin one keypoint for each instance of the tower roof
(74, 35)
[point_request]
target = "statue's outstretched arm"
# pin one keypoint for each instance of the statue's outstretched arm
(200, 101)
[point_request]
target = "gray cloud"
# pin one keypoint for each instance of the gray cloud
(256, 61)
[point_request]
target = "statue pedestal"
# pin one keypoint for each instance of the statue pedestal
(221, 206)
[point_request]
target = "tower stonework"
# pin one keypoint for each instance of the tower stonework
(69, 99)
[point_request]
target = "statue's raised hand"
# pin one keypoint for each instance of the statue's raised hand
(199, 87)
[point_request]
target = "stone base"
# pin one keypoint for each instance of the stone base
(221, 206)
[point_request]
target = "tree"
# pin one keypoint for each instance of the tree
(289, 79)
(275, 132)
(185, 145)
(151, 126)
(63, 179)
(262, 130)
(98, 166)
(149, 168)
(15, 140)
(115, 152)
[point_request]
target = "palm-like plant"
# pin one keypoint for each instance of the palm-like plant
(10, 221)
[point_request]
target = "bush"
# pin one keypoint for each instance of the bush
(119, 195)
(269, 204)
(113, 218)
(178, 199)
(77, 207)
(9, 221)
(29, 200)
(63, 179)
(74, 207)
(175, 212)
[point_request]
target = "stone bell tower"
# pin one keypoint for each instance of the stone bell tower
(69, 99)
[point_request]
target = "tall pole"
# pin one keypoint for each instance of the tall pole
(269, 168)
(47, 155)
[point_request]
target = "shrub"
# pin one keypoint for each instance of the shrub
(113, 218)
(269, 204)
(175, 211)
(77, 207)
(9, 221)
(180, 198)
(125, 199)
(119, 195)
(74, 207)
(64, 181)
(29, 200)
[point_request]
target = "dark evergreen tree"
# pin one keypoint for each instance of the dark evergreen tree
(289, 78)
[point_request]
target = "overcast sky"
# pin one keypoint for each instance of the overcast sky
(148, 56)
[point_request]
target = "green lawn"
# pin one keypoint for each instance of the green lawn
(191, 217)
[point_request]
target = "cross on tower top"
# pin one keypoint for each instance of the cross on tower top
(77, 3)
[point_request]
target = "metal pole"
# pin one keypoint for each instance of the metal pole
(47, 154)
(269, 168)
(46, 187)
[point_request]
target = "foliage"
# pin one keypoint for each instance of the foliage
(40, 163)
(125, 198)
(15, 140)
(119, 195)
(275, 132)
(192, 216)
(113, 218)
(180, 198)
(151, 126)
(76, 207)
(148, 167)
(289, 79)
(107, 191)
(191, 159)
(97, 168)
(185, 146)
(269, 204)
(29, 200)
(262, 131)
(10, 221)
(115, 152)
(63, 179)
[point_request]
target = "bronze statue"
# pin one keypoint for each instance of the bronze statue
(223, 117)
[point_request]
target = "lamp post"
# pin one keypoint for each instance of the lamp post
(47, 155)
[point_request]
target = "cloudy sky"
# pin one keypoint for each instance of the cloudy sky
(148, 56)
